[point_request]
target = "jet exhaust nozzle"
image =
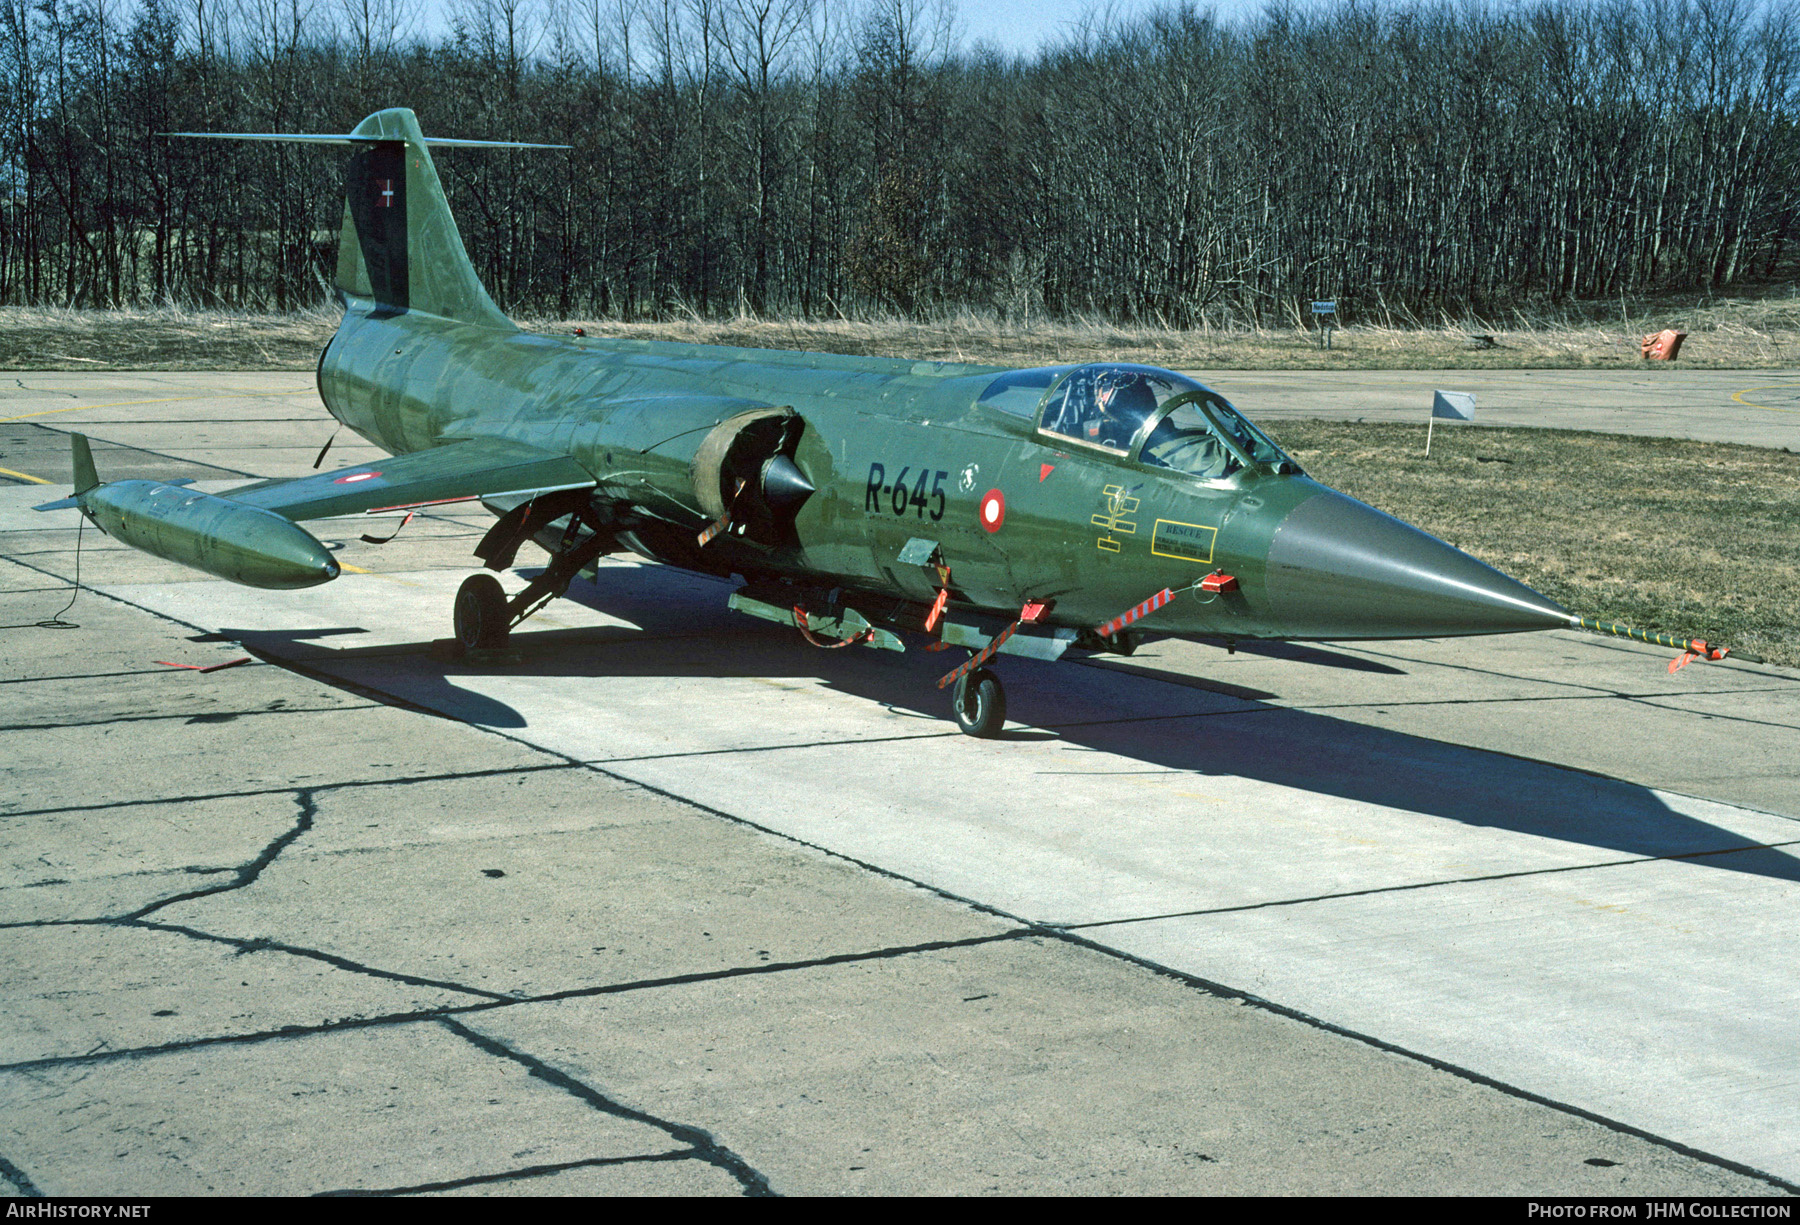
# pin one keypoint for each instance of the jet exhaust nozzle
(245, 544)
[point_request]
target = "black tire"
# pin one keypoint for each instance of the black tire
(482, 619)
(979, 703)
(1123, 643)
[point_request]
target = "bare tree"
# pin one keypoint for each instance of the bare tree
(1433, 155)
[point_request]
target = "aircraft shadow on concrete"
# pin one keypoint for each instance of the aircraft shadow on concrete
(1311, 653)
(1180, 723)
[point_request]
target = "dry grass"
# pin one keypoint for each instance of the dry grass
(1737, 334)
(1689, 538)
(1743, 334)
(162, 338)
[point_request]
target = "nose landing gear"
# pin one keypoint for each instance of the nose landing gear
(979, 703)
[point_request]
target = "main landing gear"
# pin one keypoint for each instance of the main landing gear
(482, 618)
(485, 616)
(979, 703)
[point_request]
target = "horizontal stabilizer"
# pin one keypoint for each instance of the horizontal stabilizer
(455, 472)
(350, 138)
(399, 249)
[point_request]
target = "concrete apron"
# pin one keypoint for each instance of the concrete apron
(1604, 945)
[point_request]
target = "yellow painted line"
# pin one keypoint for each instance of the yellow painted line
(386, 578)
(1774, 408)
(24, 476)
(75, 408)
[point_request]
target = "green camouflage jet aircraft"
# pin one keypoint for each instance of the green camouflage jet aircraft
(858, 499)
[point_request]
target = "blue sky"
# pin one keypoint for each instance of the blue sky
(1016, 26)
(1021, 26)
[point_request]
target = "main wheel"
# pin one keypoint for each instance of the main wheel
(980, 704)
(482, 619)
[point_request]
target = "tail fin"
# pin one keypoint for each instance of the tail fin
(83, 459)
(400, 249)
(85, 477)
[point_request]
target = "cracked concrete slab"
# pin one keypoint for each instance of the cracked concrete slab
(76, 990)
(966, 1070)
(659, 1175)
(558, 881)
(178, 761)
(57, 703)
(360, 1110)
(98, 861)
(1126, 797)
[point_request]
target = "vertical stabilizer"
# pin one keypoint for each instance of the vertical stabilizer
(83, 459)
(400, 248)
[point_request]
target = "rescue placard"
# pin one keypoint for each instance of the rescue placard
(1188, 541)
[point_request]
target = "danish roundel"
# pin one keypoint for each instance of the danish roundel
(992, 510)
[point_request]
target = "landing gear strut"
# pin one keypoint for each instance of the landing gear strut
(485, 617)
(979, 703)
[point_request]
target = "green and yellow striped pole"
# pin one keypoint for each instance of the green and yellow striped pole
(1691, 648)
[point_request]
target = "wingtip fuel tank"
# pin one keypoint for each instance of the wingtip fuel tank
(244, 544)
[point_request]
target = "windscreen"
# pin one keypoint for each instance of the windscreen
(1205, 437)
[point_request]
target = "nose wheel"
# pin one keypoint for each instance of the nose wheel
(979, 703)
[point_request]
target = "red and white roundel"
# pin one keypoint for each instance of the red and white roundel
(353, 477)
(992, 510)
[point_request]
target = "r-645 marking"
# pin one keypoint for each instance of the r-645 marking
(898, 498)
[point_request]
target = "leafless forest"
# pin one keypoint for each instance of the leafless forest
(807, 158)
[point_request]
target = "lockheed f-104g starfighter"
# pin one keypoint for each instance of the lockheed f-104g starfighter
(861, 500)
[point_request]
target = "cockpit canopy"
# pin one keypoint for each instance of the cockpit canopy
(1157, 417)
(1106, 405)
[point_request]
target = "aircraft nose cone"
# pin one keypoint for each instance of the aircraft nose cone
(1340, 569)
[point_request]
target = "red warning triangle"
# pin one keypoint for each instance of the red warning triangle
(1044, 470)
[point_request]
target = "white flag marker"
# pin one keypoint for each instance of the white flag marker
(1452, 406)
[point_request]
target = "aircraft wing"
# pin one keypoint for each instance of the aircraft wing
(456, 472)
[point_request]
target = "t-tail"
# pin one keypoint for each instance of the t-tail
(400, 250)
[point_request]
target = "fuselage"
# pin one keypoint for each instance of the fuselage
(900, 452)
